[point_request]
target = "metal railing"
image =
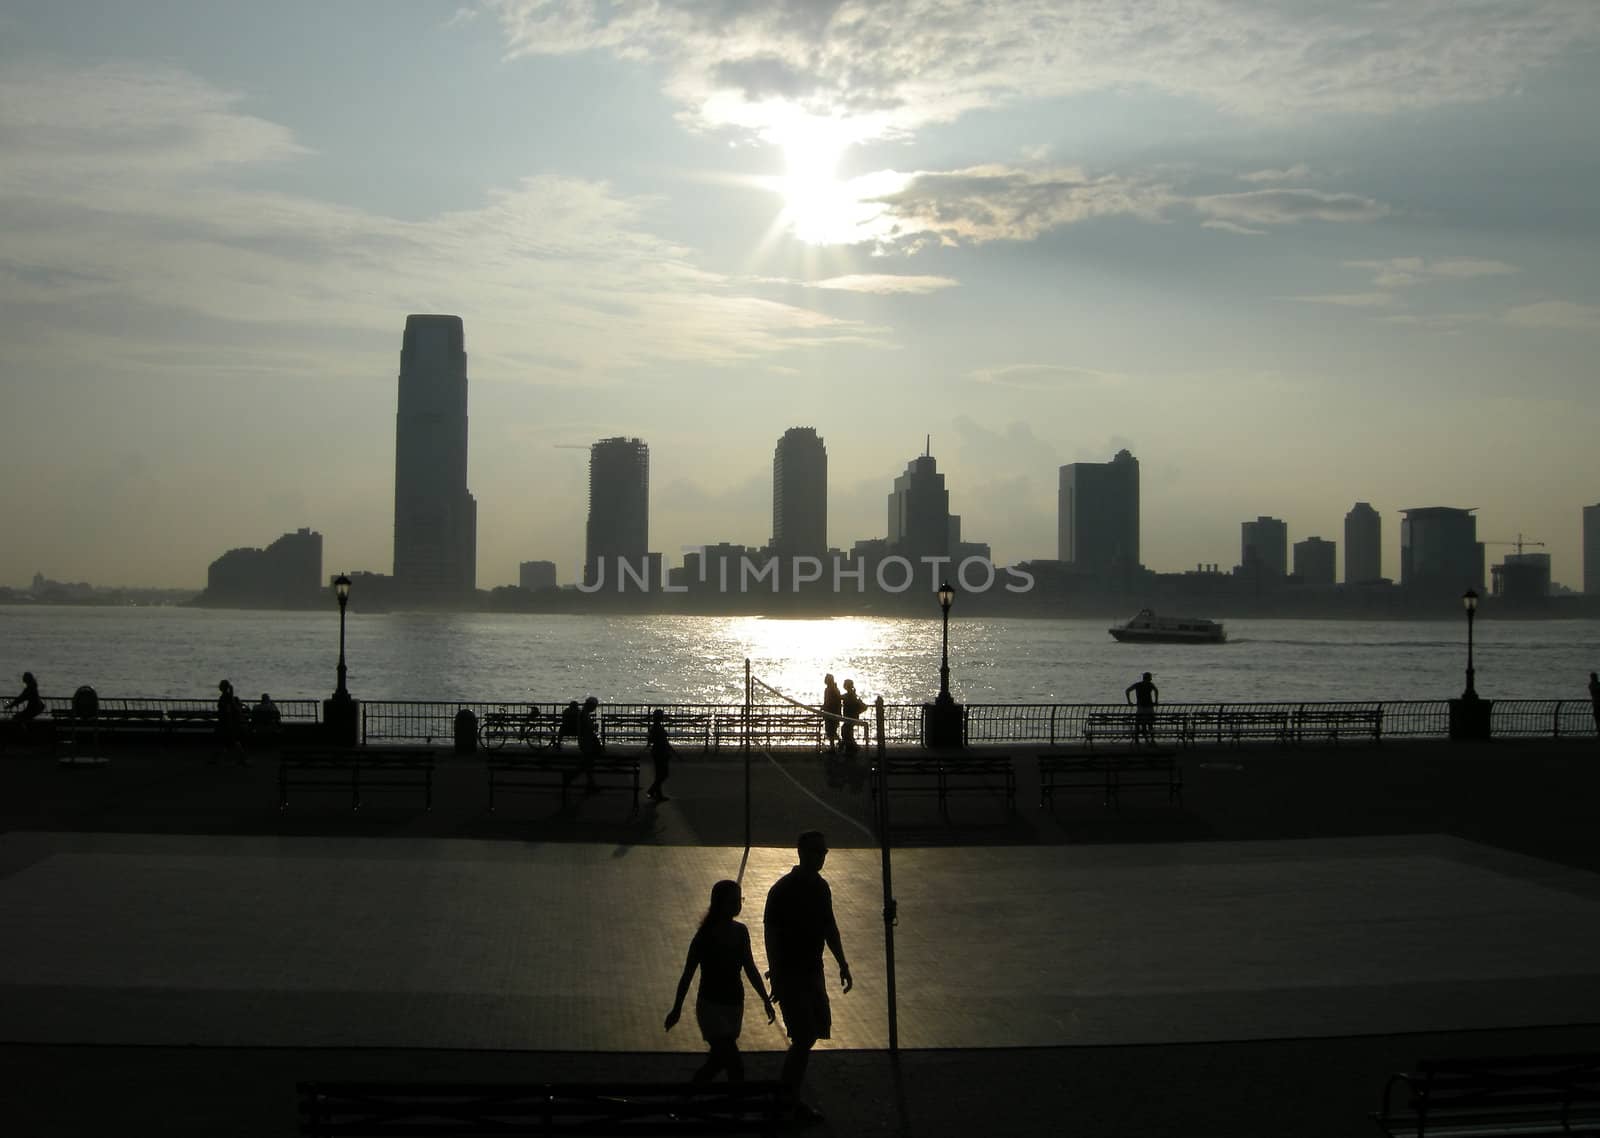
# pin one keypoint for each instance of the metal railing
(722, 728)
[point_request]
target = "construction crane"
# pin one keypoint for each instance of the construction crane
(1519, 543)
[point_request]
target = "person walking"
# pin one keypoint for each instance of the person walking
(1144, 717)
(660, 755)
(797, 923)
(589, 745)
(851, 706)
(1594, 700)
(832, 701)
(230, 722)
(721, 951)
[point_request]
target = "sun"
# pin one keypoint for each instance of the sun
(818, 208)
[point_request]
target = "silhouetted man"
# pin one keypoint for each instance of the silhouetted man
(832, 701)
(851, 706)
(1594, 700)
(799, 921)
(1144, 693)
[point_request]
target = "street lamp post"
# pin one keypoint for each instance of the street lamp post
(341, 589)
(1470, 715)
(340, 715)
(943, 715)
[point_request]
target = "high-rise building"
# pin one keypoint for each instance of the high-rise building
(1591, 550)
(919, 512)
(800, 494)
(536, 575)
(1097, 515)
(1264, 547)
(1315, 561)
(435, 517)
(619, 512)
(1363, 545)
(1440, 553)
(286, 574)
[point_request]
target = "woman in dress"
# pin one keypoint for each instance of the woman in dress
(720, 950)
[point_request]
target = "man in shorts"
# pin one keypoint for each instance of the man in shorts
(798, 923)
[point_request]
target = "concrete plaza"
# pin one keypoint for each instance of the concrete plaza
(160, 915)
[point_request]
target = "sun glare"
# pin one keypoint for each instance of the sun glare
(818, 208)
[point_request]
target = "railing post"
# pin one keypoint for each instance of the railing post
(890, 914)
(745, 736)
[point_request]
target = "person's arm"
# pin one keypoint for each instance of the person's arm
(1127, 693)
(1155, 695)
(755, 978)
(689, 965)
(836, 946)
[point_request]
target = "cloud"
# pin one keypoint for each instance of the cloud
(885, 283)
(1401, 272)
(1299, 172)
(121, 190)
(1561, 314)
(896, 65)
(1043, 377)
(1351, 299)
(1287, 206)
(1001, 203)
(1233, 227)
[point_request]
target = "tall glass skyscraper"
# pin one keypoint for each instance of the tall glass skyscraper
(1097, 515)
(619, 509)
(435, 517)
(800, 494)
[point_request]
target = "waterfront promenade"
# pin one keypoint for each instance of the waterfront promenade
(1252, 962)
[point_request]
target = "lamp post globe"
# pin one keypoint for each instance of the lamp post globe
(943, 717)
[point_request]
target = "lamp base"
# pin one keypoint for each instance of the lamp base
(341, 720)
(944, 725)
(1470, 719)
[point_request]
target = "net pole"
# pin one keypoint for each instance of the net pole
(890, 916)
(745, 734)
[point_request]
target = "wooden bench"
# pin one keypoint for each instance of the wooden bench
(1109, 775)
(356, 769)
(1073, 774)
(633, 728)
(379, 1110)
(1530, 1094)
(781, 728)
(559, 769)
(120, 723)
(944, 775)
(1239, 726)
(1327, 723)
(1125, 725)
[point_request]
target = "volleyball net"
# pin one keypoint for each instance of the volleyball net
(782, 719)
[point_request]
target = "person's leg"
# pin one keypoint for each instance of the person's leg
(711, 1067)
(793, 1074)
(734, 1062)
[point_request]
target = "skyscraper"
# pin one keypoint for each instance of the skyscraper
(1264, 547)
(1440, 553)
(619, 511)
(1315, 560)
(1591, 550)
(1097, 514)
(919, 512)
(435, 517)
(1363, 544)
(800, 494)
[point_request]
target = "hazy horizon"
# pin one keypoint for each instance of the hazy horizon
(1292, 258)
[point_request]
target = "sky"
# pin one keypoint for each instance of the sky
(1293, 255)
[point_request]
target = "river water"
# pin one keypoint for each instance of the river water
(176, 652)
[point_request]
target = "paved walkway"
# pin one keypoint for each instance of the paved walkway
(158, 904)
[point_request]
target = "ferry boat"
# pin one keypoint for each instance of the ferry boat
(1148, 628)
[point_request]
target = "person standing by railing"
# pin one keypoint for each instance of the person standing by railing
(832, 702)
(1594, 700)
(851, 706)
(1144, 716)
(660, 755)
(589, 745)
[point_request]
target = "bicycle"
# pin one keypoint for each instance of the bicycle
(530, 728)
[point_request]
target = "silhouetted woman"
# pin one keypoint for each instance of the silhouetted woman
(660, 755)
(721, 949)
